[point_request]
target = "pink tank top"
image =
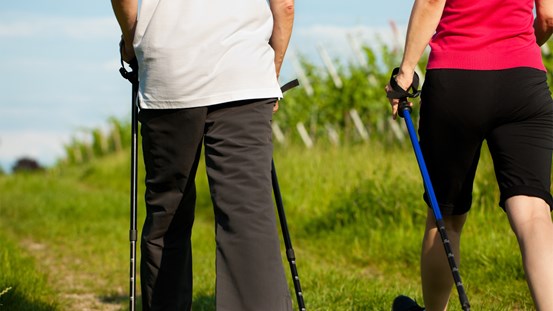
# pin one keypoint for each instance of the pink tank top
(485, 35)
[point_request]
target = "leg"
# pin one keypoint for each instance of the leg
(451, 130)
(522, 148)
(171, 145)
(436, 276)
(250, 273)
(530, 220)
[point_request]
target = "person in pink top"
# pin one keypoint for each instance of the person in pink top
(485, 80)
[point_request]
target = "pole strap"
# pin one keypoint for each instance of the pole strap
(398, 92)
(289, 85)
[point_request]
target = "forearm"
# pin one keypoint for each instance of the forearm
(283, 17)
(543, 24)
(423, 22)
(126, 13)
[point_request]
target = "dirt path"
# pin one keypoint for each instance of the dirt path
(71, 285)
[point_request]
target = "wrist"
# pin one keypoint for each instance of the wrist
(404, 80)
(406, 70)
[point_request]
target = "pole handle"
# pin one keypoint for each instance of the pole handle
(404, 106)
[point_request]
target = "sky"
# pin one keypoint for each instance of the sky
(59, 64)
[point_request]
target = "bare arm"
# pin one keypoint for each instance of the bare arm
(423, 22)
(126, 12)
(543, 24)
(283, 16)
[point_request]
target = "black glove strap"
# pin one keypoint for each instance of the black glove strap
(398, 92)
(289, 85)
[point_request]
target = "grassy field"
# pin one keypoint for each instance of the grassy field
(355, 214)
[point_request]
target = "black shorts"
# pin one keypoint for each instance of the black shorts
(511, 109)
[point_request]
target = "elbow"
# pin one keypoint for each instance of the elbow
(288, 7)
(435, 2)
(283, 11)
(283, 7)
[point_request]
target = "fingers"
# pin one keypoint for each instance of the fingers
(127, 51)
(388, 88)
(395, 108)
(127, 54)
(275, 107)
(393, 102)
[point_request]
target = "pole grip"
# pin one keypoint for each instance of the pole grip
(404, 106)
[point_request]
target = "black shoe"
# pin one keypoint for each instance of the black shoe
(404, 303)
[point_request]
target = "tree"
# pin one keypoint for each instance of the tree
(26, 164)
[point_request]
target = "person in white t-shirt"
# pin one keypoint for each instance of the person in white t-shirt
(208, 76)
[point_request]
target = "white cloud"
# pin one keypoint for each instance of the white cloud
(331, 31)
(20, 25)
(15, 29)
(342, 43)
(44, 146)
(338, 36)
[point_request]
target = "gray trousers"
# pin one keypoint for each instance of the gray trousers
(238, 153)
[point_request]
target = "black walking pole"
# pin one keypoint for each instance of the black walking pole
(284, 224)
(287, 240)
(405, 112)
(132, 76)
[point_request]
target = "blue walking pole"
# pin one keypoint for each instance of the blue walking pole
(405, 113)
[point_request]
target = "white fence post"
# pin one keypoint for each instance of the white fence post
(396, 129)
(359, 124)
(330, 67)
(278, 132)
(304, 135)
(332, 134)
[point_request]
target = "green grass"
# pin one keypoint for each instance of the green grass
(22, 287)
(355, 214)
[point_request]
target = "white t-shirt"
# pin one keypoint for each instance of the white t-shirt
(195, 53)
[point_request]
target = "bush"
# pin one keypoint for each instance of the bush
(26, 165)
